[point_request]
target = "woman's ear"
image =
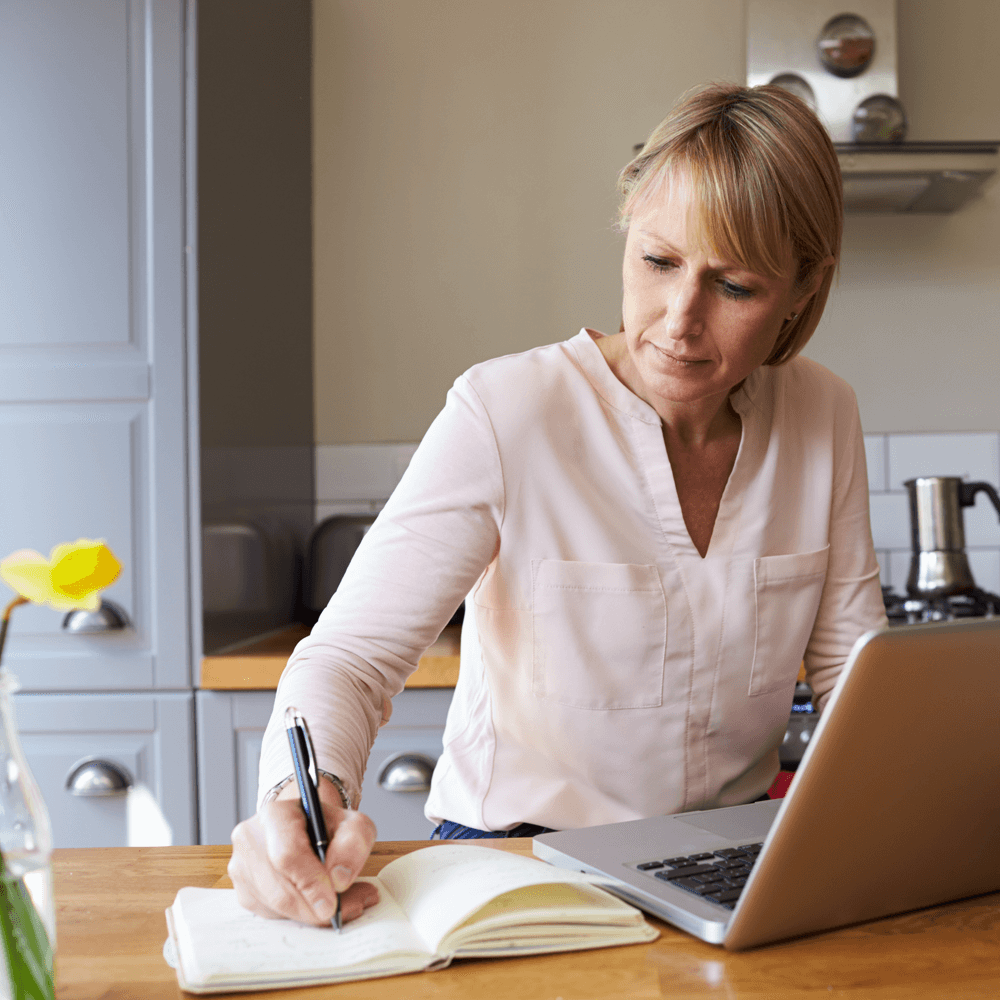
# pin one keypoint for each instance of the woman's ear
(812, 286)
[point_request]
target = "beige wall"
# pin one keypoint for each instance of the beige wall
(465, 154)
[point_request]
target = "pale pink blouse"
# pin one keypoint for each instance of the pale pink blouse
(608, 671)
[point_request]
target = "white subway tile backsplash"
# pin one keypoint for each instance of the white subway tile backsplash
(899, 570)
(972, 456)
(985, 566)
(982, 525)
(360, 472)
(875, 458)
(890, 514)
(883, 567)
(336, 508)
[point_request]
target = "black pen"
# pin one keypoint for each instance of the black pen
(307, 776)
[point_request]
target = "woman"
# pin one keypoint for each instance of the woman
(653, 529)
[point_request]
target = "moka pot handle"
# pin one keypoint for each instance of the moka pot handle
(968, 491)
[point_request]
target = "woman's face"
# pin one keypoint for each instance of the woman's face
(695, 325)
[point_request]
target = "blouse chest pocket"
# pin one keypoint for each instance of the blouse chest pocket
(598, 634)
(787, 591)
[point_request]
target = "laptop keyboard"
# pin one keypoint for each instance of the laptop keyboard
(718, 876)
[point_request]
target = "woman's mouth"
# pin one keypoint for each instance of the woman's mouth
(683, 360)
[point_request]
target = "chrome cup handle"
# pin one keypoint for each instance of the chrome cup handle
(407, 772)
(97, 778)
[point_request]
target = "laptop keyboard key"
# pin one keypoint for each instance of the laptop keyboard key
(729, 896)
(713, 876)
(676, 862)
(702, 857)
(686, 872)
(648, 865)
(699, 888)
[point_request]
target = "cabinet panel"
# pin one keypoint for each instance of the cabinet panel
(66, 274)
(151, 737)
(94, 341)
(230, 725)
(399, 815)
(84, 470)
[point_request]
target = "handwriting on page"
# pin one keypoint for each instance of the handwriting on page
(228, 940)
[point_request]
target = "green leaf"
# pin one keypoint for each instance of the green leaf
(26, 945)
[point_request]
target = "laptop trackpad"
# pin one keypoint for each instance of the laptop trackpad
(748, 823)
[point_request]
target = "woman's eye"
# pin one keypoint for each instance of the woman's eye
(659, 264)
(734, 291)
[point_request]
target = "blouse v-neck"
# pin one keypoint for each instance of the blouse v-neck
(648, 426)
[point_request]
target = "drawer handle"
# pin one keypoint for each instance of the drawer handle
(92, 778)
(107, 618)
(407, 772)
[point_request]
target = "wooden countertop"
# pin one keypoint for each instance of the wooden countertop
(111, 929)
(258, 665)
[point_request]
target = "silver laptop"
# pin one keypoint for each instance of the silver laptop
(895, 806)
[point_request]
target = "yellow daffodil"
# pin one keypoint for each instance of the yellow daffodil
(72, 577)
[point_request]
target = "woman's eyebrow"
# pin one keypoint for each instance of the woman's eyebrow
(659, 240)
(719, 265)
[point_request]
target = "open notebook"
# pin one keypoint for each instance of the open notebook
(438, 903)
(894, 806)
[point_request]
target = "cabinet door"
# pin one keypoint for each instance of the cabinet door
(230, 731)
(94, 425)
(416, 730)
(149, 737)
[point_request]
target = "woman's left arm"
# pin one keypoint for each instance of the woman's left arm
(852, 597)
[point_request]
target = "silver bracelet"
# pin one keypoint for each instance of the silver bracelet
(345, 799)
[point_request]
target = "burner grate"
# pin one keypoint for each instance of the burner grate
(976, 603)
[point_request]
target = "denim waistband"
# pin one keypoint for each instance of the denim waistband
(455, 831)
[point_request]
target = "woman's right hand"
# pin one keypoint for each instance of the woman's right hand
(277, 874)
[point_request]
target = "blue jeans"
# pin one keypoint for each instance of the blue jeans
(455, 831)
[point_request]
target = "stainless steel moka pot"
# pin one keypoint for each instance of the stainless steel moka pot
(939, 566)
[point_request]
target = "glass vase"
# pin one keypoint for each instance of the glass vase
(27, 909)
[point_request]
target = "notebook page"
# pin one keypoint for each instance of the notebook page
(220, 942)
(439, 887)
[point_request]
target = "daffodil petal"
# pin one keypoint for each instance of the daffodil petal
(29, 573)
(81, 569)
(60, 602)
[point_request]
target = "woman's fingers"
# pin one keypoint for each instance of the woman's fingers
(350, 844)
(357, 899)
(294, 861)
(260, 887)
(277, 874)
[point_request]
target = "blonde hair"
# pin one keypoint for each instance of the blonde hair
(767, 178)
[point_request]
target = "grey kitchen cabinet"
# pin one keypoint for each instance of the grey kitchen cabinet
(230, 730)
(95, 421)
(156, 301)
(149, 738)
(96, 414)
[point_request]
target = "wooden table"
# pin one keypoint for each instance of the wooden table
(110, 904)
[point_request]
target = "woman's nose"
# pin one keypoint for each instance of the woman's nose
(685, 308)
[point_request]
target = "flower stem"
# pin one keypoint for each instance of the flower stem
(6, 620)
